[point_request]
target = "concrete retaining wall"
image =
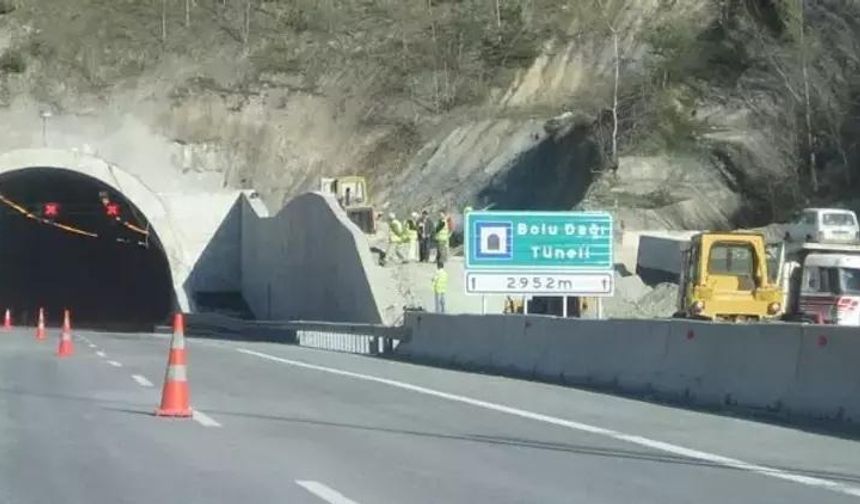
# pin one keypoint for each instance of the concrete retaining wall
(784, 369)
(308, 262)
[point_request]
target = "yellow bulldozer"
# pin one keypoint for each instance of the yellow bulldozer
(731, 276)
(351, 192)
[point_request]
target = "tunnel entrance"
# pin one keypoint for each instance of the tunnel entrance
(71, 241)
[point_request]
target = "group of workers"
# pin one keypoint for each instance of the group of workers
(419, 235)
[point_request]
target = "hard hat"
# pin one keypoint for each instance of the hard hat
(391, 216)
(414, 214)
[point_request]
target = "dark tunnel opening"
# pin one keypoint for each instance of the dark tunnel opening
(118, 280)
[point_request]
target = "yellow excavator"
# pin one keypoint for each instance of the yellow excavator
(351, 192)
(731, 276)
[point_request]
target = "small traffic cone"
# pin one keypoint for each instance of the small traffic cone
(7, 320)
(66, 347)
(40, 327)
(175, 395)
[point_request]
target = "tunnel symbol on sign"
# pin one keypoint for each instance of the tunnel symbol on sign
(495, 240)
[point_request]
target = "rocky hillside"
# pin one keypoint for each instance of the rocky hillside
(675, 113)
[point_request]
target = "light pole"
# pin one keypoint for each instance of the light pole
(45, 115)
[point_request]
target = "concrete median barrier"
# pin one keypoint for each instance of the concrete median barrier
(789, 370)
(620, 353)
(743, 365)
(828, 374)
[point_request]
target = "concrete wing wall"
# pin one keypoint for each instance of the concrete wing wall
(783, 369)
(307, 262)
(209, 230)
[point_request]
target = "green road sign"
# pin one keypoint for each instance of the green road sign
(557, 241)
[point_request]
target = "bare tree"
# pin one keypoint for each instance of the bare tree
(794, 12)
(163, 20)
(609, 17)
(804, 65)
(246, 25)
(436, 101)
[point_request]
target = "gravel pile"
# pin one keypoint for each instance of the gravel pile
(634, 299)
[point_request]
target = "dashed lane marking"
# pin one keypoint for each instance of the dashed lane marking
(204, 419)
(141, 380)
(325, 493)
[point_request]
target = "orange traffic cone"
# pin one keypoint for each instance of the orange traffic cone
(40, 328)
(66, 347)
(7, 320)
(175, 395)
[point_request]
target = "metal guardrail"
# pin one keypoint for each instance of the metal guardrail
(352, 337)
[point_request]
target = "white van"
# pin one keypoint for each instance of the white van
(824, 225)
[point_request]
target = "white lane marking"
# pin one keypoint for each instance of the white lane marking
(91, 345)
(620, 436)
(101, 354)
(114, 363)
(141, 380)
(325, 493)
(204, 419)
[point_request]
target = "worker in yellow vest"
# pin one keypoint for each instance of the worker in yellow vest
(442, 237)
(440, 286)
(396, 237)
(411, 233)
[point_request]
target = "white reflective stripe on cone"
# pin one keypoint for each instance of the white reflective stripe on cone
(177, 342)
(177, 373)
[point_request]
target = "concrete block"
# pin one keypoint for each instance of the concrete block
(660, 255)
(513, 351)
(612, 353)
(750, 365)
(827, 383)
(431, 337)
(473, 339)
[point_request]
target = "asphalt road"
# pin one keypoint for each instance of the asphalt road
(285, 424)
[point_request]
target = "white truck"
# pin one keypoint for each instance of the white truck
(822, 283)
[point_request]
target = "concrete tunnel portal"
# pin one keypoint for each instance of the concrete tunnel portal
(70, 240)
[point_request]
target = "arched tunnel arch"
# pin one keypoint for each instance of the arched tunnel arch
(111, 273)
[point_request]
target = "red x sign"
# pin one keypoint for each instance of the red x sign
(51, 209)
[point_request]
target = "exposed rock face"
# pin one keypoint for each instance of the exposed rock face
(710, 104)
